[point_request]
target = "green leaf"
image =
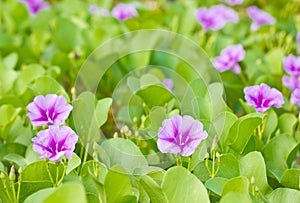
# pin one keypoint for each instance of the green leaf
(216, 184)
(27, 75)
(153, 190)
(232, 197)
(156, 116)
(11, 148)
(180, 186)
(35, 176)
(148, 80)
(199, 155)
(97, 169)
(117, 184)
(155, 95)
(271, 123)
(62, 36)
(92, 175)
(125, 153)
(274, 59)
(242, 130)
(223, 123)
(15, 158)
(46, 85)
(284, 195)
(39, 196)
(73, 163)
(229, 168)
(102, 109)
(10, 61)
(290, 178)
(7, 79)
(133, 83)
(67, 193)
(253, 165)
(84, 118)
(277, 151)
(8, 115)
(287, 123)
(239, 184)
(127, 199)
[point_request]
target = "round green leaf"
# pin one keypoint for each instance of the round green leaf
(180, 186)
(67, 193)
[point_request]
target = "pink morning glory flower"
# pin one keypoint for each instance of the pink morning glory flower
(291, 65)
(295, 97)
(259, 18)
(94, 9)
(291, 82)
(168, 83)
(124, 11)
(34, 6)
(262, 97)
(55, 142)
(48, 110)
(180, 134)
(233, 2)
(229, 58)
(215, 17)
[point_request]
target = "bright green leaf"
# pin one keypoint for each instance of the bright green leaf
(180, 186)
(102, 109)
(73, 163)
(253, 165)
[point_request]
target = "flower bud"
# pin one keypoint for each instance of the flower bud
(12, 175)
(252, 180)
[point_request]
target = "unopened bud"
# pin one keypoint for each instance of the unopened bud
(115, 135)
(252, 180)
(12, 175)
(215, 143)
(207, 155)
(135, 120)
(218, 155)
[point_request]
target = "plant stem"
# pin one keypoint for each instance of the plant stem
(49, 174)
(213, 164)
(57, 171)
(19, 186)
(63, 174)
(86, 153)
(189, 163)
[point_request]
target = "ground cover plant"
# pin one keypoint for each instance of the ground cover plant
(149, 101)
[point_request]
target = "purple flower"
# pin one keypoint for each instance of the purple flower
(291, 82)
(168, 83)
(215, 17)
(259, 18)
(295, 97)
(233, 2)
(291, 65)
(124, 11)
(94, 9)
(34, 6)
(229, 58)
(48, 110)
(298, 42)
(262, 97)
(55, 142)
(226, 13)
(180, 134)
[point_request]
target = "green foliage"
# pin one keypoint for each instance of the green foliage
(255, 159)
